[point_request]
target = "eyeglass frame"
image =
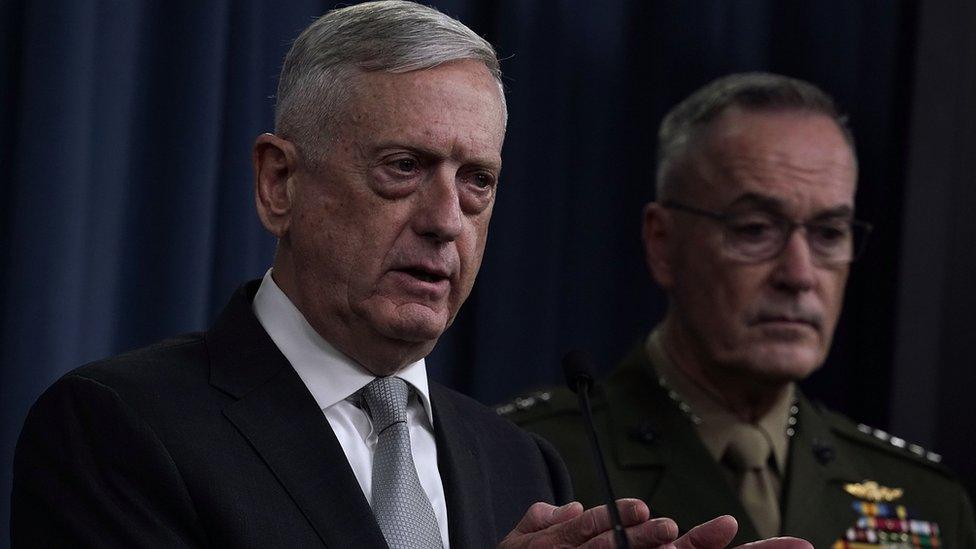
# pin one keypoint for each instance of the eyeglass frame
(792, 226)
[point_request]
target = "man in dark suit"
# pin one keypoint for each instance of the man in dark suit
(751, 236)
(304, 416)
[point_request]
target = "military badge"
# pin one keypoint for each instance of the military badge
(872, 491)
(883, 523)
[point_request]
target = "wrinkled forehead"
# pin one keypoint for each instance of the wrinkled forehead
(457, 103)
(799, 159)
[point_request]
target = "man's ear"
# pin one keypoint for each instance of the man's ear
(275, 166)
(656, 232)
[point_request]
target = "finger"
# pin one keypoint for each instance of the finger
(778, 543)
(542, 515)
(596, 521)
(658, 532)
(717, 532)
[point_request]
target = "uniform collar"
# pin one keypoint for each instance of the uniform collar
(716, 422)
(330, 375)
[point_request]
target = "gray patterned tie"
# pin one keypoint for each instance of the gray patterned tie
(399, 502)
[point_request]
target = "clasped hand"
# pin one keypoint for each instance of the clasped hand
(548, 526)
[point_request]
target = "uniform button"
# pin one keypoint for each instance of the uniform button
(644, 433)
(505, 409)
(824, 453)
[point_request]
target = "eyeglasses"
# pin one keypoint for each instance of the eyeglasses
(757, 235)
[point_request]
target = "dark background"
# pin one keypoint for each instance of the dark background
(128, 215)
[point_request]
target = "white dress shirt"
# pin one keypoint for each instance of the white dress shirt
(333, 377)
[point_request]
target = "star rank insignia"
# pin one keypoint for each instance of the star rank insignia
(882, 523)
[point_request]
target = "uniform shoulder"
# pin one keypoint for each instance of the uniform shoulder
(475, 414)
(538, 406)
(877, 441)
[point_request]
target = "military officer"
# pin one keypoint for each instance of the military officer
(751, 237)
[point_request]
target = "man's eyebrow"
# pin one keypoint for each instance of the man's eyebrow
(416, 149)
(775, 205)
(491, 163)
(837, 212)
(761, 201)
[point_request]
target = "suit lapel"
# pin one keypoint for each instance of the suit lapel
(469, 507)
(659, 451)
(278, 416)
(817, 508)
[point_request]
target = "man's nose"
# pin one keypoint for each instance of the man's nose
(438, 210)
(795, 268)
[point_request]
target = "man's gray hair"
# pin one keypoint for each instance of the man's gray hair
(397, 36)
(752, 91)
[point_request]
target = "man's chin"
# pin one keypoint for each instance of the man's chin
(783, 362)
(414, 323)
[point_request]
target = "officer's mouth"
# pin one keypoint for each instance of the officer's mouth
(787, 322)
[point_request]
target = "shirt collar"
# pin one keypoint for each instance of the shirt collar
(716, 424)
(330, 375)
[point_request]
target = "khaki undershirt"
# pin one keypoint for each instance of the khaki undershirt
(716, 423)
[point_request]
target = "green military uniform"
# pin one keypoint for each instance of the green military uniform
(845, 485)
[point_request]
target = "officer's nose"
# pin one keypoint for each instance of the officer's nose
(795, 268)
(438, 212)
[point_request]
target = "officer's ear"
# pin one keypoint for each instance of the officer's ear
(275, 167)
(656, 232)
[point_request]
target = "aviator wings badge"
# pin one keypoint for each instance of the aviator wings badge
(870, 490)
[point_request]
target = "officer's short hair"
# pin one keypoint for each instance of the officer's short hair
(753, 91)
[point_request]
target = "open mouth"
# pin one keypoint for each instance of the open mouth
(425, 276)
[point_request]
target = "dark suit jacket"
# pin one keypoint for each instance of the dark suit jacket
(654, 453)
(213, 439)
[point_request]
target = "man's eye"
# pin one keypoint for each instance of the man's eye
(483, 180)
(754, 229)
(830, 234)
(405, 165)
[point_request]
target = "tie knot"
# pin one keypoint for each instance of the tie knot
(748, 449)
(386, 401)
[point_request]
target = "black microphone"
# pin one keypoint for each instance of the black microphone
(576, 367)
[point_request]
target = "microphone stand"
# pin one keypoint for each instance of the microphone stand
(580, 381)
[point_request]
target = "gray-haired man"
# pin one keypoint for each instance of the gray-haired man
(304, 416)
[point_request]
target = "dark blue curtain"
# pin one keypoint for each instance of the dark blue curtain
(935, 367)
(128, 212)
